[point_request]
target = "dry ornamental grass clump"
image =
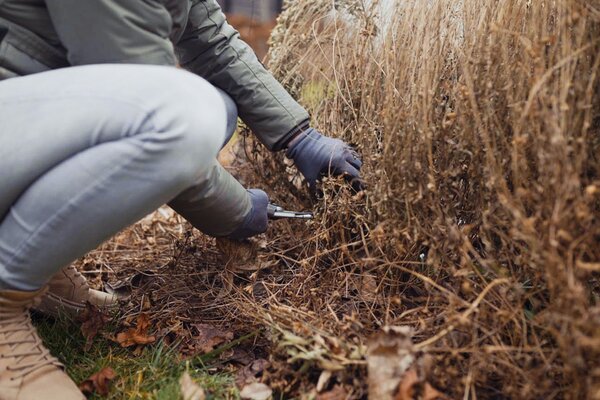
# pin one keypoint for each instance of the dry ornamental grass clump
(479, 124)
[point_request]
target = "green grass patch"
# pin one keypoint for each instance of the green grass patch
(153, 374)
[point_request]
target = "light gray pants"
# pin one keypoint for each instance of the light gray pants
(87, 151)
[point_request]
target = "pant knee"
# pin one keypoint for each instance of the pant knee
(193, 121)
(179, 118)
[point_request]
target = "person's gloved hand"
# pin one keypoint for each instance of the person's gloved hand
(316, 155)
(257, 220)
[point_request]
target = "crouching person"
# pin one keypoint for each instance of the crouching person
(100, 124)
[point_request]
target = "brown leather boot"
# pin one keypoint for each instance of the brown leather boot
(68, 292)
(27, 370)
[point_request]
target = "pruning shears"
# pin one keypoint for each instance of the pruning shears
(276, 212)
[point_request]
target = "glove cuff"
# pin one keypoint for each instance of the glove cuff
(257, 219)
(296, 144)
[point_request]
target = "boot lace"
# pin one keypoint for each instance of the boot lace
(39, 355)
(75, 277)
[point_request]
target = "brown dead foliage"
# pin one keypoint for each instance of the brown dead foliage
(99, 382)
(92, 321)
(337, 393)
(209, 337)
(479, 125)
(412, 387)
(390, 354)
(137, 335)
(250, 373)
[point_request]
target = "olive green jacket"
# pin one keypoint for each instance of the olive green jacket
(39, 35)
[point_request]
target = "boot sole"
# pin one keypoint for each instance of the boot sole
(54, 306)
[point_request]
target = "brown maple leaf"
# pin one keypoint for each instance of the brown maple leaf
(99, 382)
(138, 335)
(92, 320)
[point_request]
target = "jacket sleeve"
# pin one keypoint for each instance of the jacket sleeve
(211, 48)
(114, 31)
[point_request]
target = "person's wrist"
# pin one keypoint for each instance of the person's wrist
(294, 139)
(298, 130)
(297, 144)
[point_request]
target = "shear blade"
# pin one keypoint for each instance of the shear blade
(292, 214)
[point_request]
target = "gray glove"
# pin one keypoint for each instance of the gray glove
(316, 155)
(257, 220)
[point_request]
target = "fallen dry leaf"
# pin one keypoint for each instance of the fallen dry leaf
(389, 355)
(210, 337)
(99, 382)
(250, 372)
(412, 383)
(92, 320)
(190, 390)
(337, 393)
(256, 391)
(123, 288)
(406, 390)
(138, 335)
